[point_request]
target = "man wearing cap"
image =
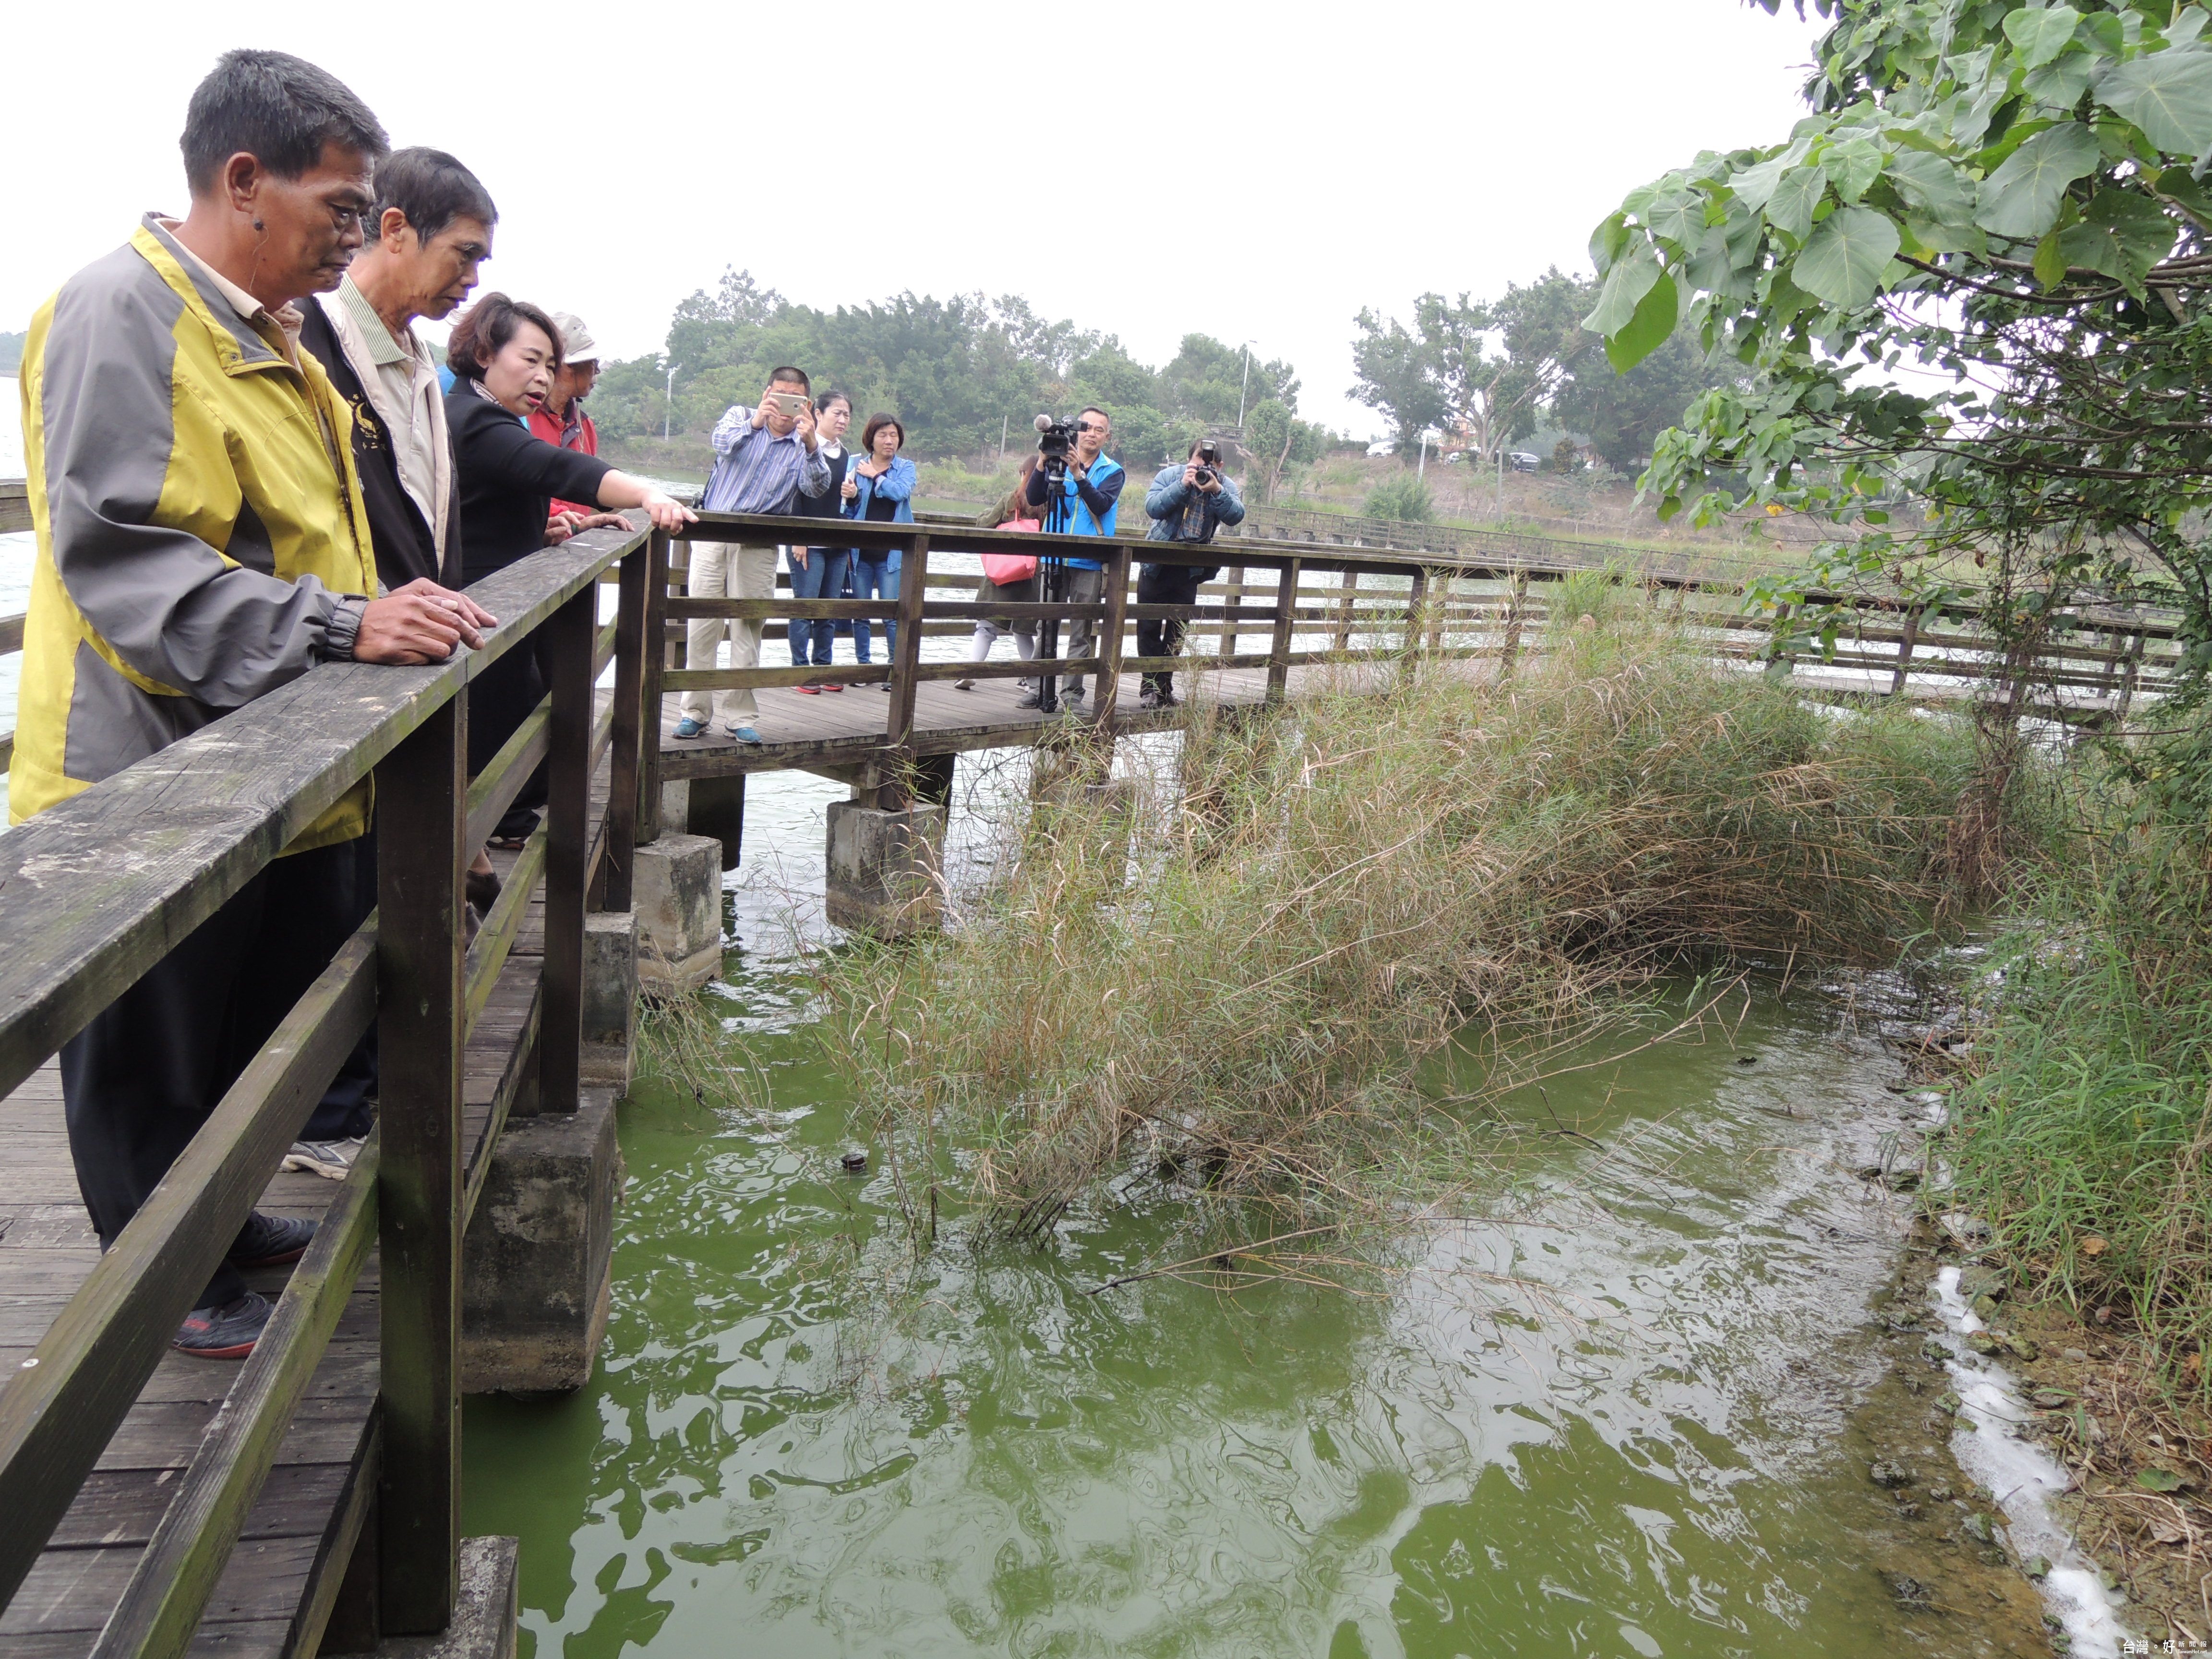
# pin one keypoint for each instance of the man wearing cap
(560, 419)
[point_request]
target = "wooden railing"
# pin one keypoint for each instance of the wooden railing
(1277, 609)
(15, 514)
(198, 820)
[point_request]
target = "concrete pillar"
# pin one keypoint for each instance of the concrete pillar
(675, 894)
(882, 868)
(486, 1613)
(717, 808)
(676, 806)
(609, 997)
(534, 1266)
(1089, 819)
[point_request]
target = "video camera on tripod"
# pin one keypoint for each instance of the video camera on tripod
(1056, 443)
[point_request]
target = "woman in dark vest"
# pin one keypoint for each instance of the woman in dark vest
(503, 355)
(818, 573)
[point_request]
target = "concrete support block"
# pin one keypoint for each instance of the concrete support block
(1087, 818)
(675, 894)
(486, 1614)
(676, 807)
(534, 1266)
(609, 997)
(882, 868)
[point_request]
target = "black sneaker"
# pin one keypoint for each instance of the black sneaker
(1148, 696)
(225, 1333)
(1028, 700)
(269, 1241)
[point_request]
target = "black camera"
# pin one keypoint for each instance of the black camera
(1056, 443)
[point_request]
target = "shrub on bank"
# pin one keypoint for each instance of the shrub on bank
(2082, 1129)
(1249, 973)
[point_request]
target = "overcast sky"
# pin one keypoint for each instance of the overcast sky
(1241, 169)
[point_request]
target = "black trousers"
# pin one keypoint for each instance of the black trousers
(1165, 583)
(498, 704)
(140, 1080)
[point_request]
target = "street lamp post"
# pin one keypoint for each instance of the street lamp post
(668, 403)
(1245, 386)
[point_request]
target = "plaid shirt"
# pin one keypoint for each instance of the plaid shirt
(756, 471)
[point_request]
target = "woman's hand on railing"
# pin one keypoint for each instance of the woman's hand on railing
(666, 511)
(421, 622)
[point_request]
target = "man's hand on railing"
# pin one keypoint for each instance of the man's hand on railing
(421, 622)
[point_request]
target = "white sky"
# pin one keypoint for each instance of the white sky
(1236, 168)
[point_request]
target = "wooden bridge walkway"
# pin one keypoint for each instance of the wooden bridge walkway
(308, 1500)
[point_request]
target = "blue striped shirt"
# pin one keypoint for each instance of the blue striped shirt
(756, 471)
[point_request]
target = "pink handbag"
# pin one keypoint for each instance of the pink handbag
(1004, 570)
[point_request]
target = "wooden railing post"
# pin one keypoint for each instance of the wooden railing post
(649, 694)
(1109, 644)
(1517, 602)
(422, 809)
(1230, 602)
(1904, 668)
(1278, 647)
(568, 784)
(898, 724)
(626, 761)
(1439, 610)
(2130, 672)
(1344, 610)
(1776, 658)
(1415, 601)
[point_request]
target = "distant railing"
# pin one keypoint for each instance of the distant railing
(15, 514)
(199, 819)
(1373, 605)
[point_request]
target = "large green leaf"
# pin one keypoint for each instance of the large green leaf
(1791, 208)
(1626, 285)
(2039, 35)
(1843, 261)
(1647, 330)
(1933, 187)
(2021, 198)
(2142, 231)
(2169, 95)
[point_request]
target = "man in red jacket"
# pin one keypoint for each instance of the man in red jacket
(560, 419)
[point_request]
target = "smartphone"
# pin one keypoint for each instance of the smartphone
(791, 404)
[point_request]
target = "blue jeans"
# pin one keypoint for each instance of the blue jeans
(824, 577)
(874, 579)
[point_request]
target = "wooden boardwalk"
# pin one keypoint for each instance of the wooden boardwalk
(286, 1581)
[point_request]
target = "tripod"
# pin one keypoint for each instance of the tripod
(1051, 583)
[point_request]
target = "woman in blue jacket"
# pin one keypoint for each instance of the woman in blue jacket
(880, 490)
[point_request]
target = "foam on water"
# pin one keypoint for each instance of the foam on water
(2022, 1479)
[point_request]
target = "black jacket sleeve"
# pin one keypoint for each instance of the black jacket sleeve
(495, 447)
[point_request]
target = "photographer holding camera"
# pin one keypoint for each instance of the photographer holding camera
(1187, 503)
(1088, 488)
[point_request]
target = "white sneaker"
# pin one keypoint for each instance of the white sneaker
(331, 1159)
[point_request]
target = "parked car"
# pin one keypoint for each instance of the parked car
(1385, 447)
(1522, 461)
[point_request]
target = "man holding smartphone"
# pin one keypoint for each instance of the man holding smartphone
(766, 458)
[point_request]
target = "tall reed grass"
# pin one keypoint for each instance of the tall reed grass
(1241, 972)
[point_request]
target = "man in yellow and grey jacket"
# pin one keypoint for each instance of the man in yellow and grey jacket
(202, 540)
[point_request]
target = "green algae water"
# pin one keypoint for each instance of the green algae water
(1617, 1421)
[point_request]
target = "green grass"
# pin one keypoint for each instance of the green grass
(2081, 1131)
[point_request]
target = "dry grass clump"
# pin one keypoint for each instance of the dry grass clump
(1241, 972)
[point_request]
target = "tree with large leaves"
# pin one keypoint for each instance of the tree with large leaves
(2003, 203)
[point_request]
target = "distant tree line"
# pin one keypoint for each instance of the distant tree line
(1489, 373)
(961, 372)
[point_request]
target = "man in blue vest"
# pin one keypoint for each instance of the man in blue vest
(1088, 494)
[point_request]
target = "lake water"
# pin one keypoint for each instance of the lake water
(1618, 1422)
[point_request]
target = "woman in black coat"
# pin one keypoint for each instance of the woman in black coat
(504, 356)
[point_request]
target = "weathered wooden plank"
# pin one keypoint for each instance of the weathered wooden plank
(57, 1412)
(73, 1589)
(559, 1034)
(178, 1573)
